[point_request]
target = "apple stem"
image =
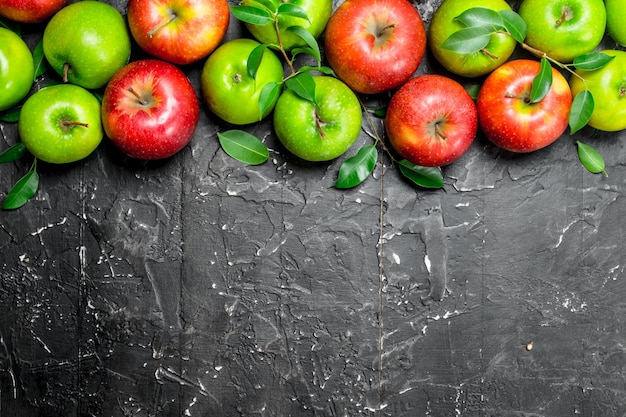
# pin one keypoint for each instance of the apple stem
(66, 124)
(66, 70)
(140, 99)
(382, 31)
(489, 54)
(171, 17)
(440, 132)
(566, 15)
(524, 97)
(319, 124)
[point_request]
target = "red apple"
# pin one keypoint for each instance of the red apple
(510, 120)
(30, 11)
(150, 109)
(431, 120)
(375, 45)
(178, 31)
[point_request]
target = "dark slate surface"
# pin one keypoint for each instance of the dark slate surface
(200, 287)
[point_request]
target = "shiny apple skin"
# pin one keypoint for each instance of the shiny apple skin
(162, 125)
(607, 85)
(509, 120)
(370, 64)
(431, 120)
(199, 27)
(30, 11)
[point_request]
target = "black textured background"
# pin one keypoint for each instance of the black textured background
(198, 286)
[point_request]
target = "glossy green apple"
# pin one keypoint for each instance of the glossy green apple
(564, 29)
(615, 24)
(17, 70)
(61, 123)
(444, 24)
(87, 42)
(319, 132)
(227, 88)
(608, 88)
(318, 12)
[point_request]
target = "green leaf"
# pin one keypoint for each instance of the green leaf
(268, 96)
(468, 40)
(472, 89)
(98, 95)
(380, 112)
(251, 14)
(481, 16)
(308, 38)
(243, 146)
(581, 111)
(305, 50)
(11, 25)
(254, 60)
(268, 4)
(590, 158)
(426, 177)
(514, 24)
(11, 115)
(23, 190)
(542, 82)
(592, 61)
(357, 168)
(41, 65)
(13, 153)
(322, 69)
(303, 85)
(290, 9)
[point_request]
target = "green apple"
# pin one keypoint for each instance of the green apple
(564, 29)
(17, 70)
(615, 25)
(318, 12)
(225, 77)
(61, 123)
(320, 130)
(444, 24)
(87, 42)
(607, 85)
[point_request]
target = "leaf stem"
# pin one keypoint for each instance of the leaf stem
(281, 45)
(540, 54)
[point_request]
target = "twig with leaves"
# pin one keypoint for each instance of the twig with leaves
(245, 147)
(480, 23)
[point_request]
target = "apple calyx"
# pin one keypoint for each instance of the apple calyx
(566, 14)
(622, 90)
(171, 16)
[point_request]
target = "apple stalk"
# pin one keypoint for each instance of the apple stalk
(171, 16)
(68, 124)
(138, 96)
(540, 54)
